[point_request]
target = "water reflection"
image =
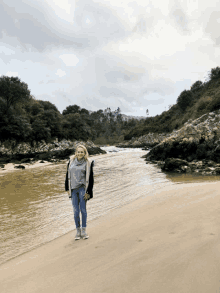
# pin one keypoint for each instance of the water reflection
(191, 178)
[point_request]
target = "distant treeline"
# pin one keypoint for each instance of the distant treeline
(26, 119)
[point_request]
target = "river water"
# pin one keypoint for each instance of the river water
(35, 209)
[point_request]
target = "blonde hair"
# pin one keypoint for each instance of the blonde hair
(86, 154)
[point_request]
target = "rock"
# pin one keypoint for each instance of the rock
(146, 141)
(2, 166)
(191, 157)
(196, 140)
(210, 163)
(4, 159)
(189, 170)
(52, 152)
(95, 151)
(19, 167)
(161, 164)
(15, 161)
(174, 164)
(201, 151)
(26, 160)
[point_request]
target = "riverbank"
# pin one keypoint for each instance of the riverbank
(194, 148)
(24, 155)
(167, 242)
(34, 164)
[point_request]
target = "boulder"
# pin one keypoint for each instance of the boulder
(19, 167)
(172, 164)
(196, 140)
(95, 150)
(26, 160)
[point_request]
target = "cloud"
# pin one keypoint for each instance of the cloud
(14, 74)
(28, 24)
(37, 24)
(60, 73)
(100, 53)
(69, 59)
(213, 27)
(179, 15)
(117, 71)
(161, 86)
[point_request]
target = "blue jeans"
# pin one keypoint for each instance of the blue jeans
(78, 202)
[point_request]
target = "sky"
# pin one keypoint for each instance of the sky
(135, 55)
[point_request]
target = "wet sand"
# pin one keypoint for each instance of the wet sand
(167, 242)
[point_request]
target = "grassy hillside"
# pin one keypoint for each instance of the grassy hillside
(202, 98)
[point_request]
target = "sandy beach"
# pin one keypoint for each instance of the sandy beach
(167, 242)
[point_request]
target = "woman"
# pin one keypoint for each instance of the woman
(79, 182)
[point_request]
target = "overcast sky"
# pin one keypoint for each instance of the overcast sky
(135, 55)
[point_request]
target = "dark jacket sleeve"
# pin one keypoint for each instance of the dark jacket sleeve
(66, 180)
(91, 181)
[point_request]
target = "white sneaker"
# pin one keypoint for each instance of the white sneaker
(84, 235)
(78, 234)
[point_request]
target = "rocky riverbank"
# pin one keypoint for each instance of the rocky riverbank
(146, 141)
(49, 152)
(193, 148)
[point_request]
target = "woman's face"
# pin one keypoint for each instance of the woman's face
(80, 153)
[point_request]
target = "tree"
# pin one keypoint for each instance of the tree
(84, 111)
(119, 118)
(13, 91)
(184, 99)
(196, 86)
(74, 127)
(108, 113)
(71, 110)
(52, 121)
(48, 106)
(40, 130)
(214, 73)
(14, 126)
(33, 108)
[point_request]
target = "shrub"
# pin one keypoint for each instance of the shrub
(184, 100)
(215, 104)
(196, 86)
(214, 73)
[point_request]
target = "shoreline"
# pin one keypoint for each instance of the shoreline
(172, 236)
(11, 166)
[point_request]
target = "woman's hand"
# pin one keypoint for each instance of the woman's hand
(86, 196)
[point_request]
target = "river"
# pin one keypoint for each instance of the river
(35, 209)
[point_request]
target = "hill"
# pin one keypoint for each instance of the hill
(191, 104)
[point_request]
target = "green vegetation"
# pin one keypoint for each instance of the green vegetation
(26, 119)
(202, 98)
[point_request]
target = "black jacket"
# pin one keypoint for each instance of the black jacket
(91, 180)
